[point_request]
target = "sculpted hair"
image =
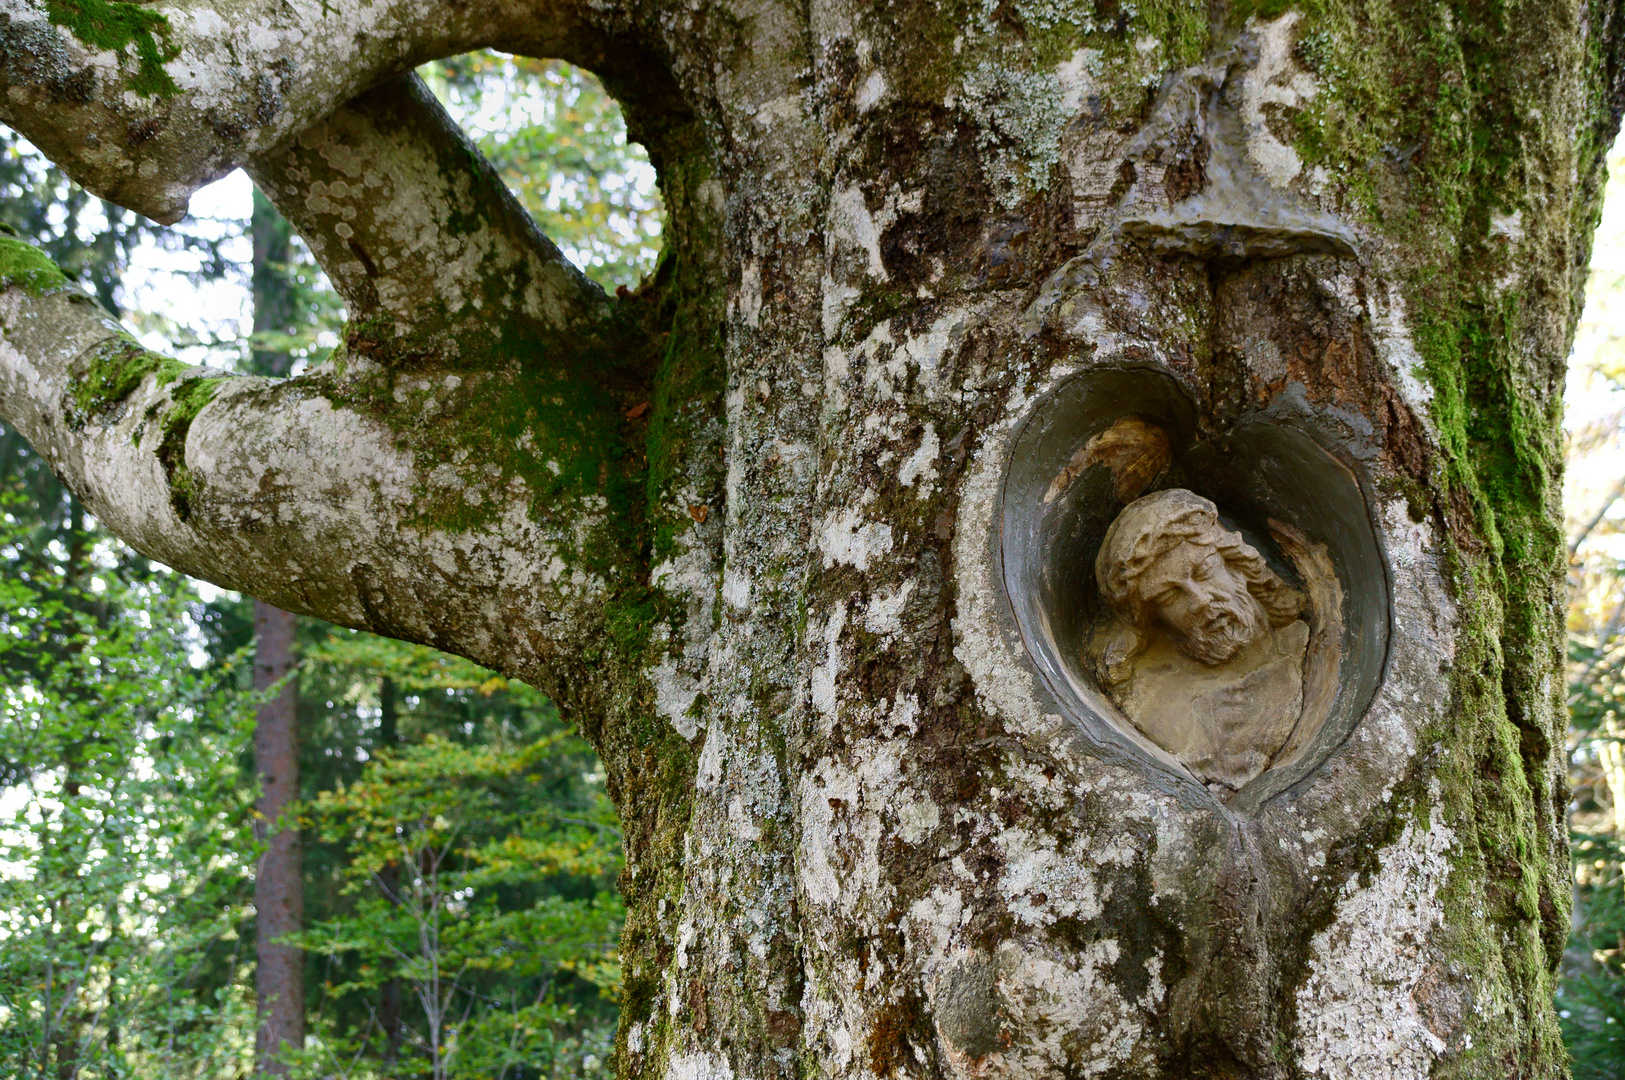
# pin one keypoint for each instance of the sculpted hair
(1149, 527)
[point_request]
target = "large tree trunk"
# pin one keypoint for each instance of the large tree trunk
(803, 532)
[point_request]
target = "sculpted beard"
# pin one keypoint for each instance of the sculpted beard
(1228, 628)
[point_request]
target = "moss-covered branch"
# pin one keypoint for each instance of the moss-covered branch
(193, 92)
(432, 253)
(480, 511)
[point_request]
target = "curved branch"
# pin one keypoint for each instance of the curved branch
(145, 104)
(419, 233)
(333, 494)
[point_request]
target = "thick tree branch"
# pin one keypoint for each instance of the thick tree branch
(325, 494)
(420, 234)
(145, 104)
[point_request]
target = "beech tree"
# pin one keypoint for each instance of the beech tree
(759, 524)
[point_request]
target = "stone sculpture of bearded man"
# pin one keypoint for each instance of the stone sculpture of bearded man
(1205, 654)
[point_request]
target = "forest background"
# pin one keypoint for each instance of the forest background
(459, 849)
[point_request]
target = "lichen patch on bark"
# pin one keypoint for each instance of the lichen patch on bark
(1358, 1013)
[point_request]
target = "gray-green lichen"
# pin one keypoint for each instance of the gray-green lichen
(1022, 114)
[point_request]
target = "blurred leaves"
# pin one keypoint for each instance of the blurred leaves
(125, 844)
(559, 142)
(1591, 988)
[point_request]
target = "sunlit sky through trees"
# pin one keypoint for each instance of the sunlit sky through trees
(1595, 400)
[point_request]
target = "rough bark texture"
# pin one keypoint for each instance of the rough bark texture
(863, 838)
(279, 880)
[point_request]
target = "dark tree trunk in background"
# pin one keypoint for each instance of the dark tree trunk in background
(279, 879)
(279, 901)
(389, 881)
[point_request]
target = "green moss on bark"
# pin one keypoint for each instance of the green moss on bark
(557, 429)
(27, 267)
(174, 420)
(114, 370)
(1398, 120)
(686, 399)
(1507, 900)
(115, 26)
(109, 374)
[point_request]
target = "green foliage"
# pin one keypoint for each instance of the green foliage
(1591, 995)
(410, 667)
(1591, 1000)
(461, 855)
(456, 836)
(124, 825)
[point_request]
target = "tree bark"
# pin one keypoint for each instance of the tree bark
(279, 882)
(751, 524)
(390, 995)
(279, 978)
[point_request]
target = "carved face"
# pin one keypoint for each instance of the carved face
(1197, 595)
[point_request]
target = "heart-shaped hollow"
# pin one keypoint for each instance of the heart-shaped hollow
(1217, 605)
